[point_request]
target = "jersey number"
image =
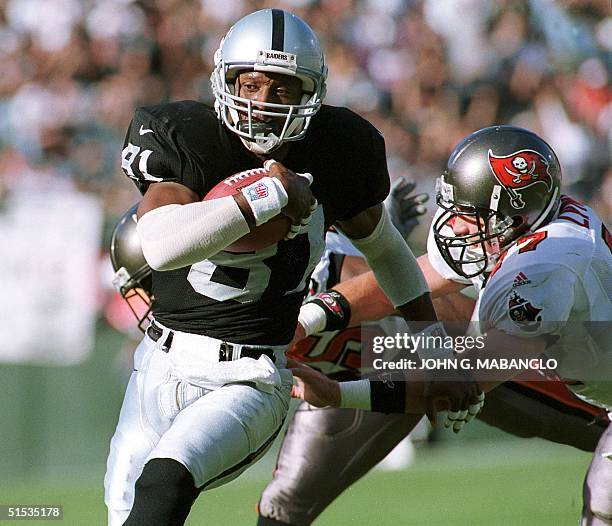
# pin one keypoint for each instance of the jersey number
(129, 155)
(279, 269)
(531, 241)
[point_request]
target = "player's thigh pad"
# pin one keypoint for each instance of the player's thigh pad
(222, 433)
(597, 491)
(324, 451)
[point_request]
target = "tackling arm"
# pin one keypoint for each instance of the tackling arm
(369, 302)
(412, 396)
(386, 252)
(394, 267)
(392, 262)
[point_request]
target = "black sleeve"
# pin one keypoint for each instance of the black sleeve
(369, 184)
(150, 153)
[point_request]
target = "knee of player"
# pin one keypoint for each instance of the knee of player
(597, 503)
(599, 509)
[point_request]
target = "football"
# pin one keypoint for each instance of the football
(259, 237)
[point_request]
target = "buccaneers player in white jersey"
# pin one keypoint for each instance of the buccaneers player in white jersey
(542, 263)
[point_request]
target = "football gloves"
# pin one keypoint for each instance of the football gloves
(404, 208)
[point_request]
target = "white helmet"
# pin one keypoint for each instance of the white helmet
(270, 40)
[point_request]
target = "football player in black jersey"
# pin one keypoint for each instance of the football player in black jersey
(349, 442)
(210, 387)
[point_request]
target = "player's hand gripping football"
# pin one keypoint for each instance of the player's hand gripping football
(404, 207)
(301, 202)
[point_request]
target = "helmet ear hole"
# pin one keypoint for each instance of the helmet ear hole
(520, 225)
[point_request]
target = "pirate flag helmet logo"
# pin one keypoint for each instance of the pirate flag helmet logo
(520, 170)
(523, 313)
(503, 180)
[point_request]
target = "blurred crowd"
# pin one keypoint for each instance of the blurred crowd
(426, 72)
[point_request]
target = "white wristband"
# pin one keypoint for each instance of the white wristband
(355, 394)
(266, 197)
(434, 342)
(312, 317)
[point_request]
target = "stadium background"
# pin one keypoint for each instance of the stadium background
(426, 72)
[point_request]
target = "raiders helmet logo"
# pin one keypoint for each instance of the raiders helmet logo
(523, 313)
(520, 170)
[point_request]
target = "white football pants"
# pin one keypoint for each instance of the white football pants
(215, 433)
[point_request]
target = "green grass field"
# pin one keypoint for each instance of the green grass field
(466, 483)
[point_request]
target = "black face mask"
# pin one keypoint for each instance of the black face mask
(469, 251)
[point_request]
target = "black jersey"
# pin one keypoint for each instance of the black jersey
(251, 297)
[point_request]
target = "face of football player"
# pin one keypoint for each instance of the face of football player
(471, 229)
(273, 88)
(464, 225)
(469, 225)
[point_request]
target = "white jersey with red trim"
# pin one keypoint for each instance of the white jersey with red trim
(557, 283)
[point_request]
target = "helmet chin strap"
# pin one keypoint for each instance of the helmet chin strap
(265, 140)
(263, 145)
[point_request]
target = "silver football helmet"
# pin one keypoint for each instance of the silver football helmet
(270, 40)
(133, 276)
(504, 179)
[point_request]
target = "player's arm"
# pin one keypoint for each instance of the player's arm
(413, 396)
(391, 261)
(177, 229)
(369, 302)
(361, 298)
(521, 324)
(395, 270)
(400, 277)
